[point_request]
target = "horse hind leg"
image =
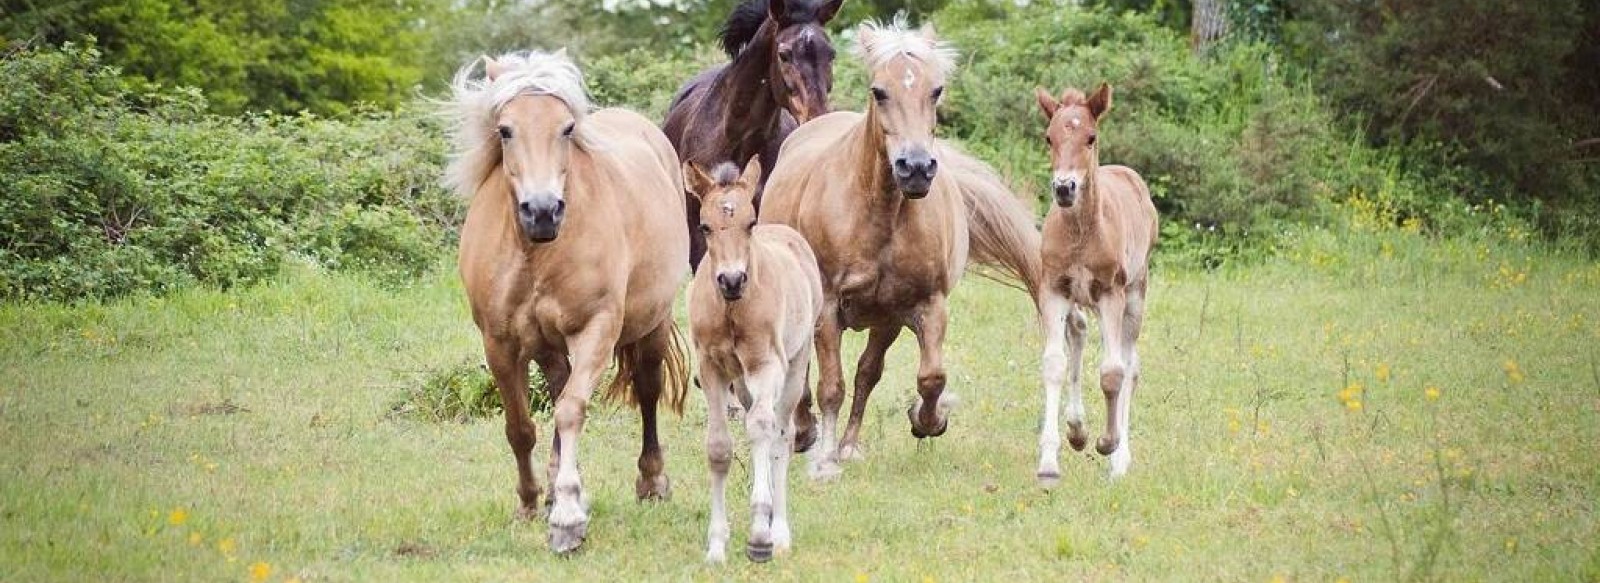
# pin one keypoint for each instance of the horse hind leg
(510, 372)
(1077, 333)
(648, 355)
(830, 395)
(555, 369)
(869, 370)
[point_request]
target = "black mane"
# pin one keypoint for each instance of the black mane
(746, 19)
(742, 25)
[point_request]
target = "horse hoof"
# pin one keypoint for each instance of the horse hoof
(804, 439)
(917, 431)
(657, 489)
(1049, 479)
(1105, 445)
(758, 552)
(566, 539)
(825, 471)
(850, 452)
(527, 512)
(1078, 441)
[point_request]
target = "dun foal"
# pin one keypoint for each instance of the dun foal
(1096, 253)
(752, 313)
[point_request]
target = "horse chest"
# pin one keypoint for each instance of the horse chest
(883, 287)
(1081, 268)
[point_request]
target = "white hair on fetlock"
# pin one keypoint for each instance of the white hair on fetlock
(475, 102)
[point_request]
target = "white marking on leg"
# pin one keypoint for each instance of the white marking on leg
(1053, 367)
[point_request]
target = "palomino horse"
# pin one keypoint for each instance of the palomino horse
(751, 314)
(892, 220)
(1096, 253)
(780, 75)
(571, 253)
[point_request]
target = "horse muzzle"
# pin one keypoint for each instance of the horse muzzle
(541, 218)
(731, 284)
(913, 174)
(1066, 192)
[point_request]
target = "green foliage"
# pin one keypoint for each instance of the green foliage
(105, 192)
(277, 55)
(1505, 90)
(464, 392)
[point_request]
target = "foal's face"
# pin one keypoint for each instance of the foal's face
(535, 143)
(1073, 135)
(727, 219)
(802, 70)
(905, 99)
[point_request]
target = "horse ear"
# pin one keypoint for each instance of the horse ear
(828, 10)
(865, 35)
(561, 53)
(752, 173)
(1047, 104)
(778, 11)
(927, 32)
(1100, 102)
(695, 180)
(492, 68)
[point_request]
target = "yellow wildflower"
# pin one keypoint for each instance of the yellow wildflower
(1431, 392)
(1513, 371)
(1353, 404)
(195, 539)
(1383, 372)
(177, 517)
(227, 546)
(861, 578)
(259, 571)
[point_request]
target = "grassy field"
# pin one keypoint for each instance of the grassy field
(1426, 412)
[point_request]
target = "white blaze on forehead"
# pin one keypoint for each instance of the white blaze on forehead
(1076, 122)
(727, 207)
(911, 77)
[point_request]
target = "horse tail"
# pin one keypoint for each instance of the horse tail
(1000, 227)
(624, 385)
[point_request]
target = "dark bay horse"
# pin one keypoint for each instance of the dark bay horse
(779, 77)
(571, 255)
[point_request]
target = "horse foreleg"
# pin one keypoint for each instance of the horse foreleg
(868, 371)
(569, 515)
(761, 425)
(793, 387)
(510, 372)
(830, 392)
(1113, 369)
(647, 387)
(1054, 309)
(930, 415)
(719, 456)
(1132, 323)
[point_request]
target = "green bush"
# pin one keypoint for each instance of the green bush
(105, 192)
(463, 392)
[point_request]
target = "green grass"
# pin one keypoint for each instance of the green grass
(264, 415)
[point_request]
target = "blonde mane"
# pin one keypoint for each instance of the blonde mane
(475, 102)
(878, 43)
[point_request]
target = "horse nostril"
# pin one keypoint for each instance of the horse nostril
(901, 166)
(525, 207)
(561, 205)
(933, 166)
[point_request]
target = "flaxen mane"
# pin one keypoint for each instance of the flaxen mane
(475, 101)
(896, 39)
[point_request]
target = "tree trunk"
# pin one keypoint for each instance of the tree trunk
(1209, 24)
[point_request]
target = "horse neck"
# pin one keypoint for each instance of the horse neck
(872, 175)
(1089, 214)
(750, 113)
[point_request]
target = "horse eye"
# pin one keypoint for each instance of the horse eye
(705, 229)
(505, 133)
(879, 95)
(1049, 140)
(751, 226)
(938, 92)
(784, 54)
(1091, 140)
(566, 131)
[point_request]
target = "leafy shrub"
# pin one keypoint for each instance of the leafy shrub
(105, 192)
(463, 392)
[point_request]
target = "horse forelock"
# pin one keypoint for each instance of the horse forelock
(896, 38)
(725, 173)
(1074, 97)
(476, 101)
